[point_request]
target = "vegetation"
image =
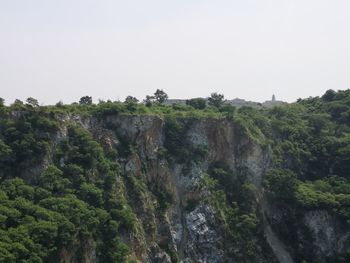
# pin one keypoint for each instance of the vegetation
(86, 100)
(73, 200)
(310, 168)
(216, 100)
(159, 98)
(311, 152)
(61, 189)
(131, 103)
(177, 144)
(197, 103)
(233, 197)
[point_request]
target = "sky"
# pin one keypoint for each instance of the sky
(62, 50)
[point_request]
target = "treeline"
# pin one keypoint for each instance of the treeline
(158, 98)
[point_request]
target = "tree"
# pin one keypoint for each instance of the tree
(86, 100)
(18, 105)
(329, 95)
(281, 184)
(5, 150)
(52, 180)
(32, 102)
(197, 103)
(131, 103)
(18, 102)
(216, 100)
(2, 102)
(318, 122)
(91, 194)
(229, 109)
(59, 104)
(160, 96)
(149, 101)
(131, 99)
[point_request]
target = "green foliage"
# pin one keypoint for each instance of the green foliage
(40, 228)
(229, 110)
(52, 180)
(131, 103)
(253, 125)
(24, 140)
(177, 143)
(149, 101)
(312, 138)
(329, 95)
(308, 196)
(86, 100)
(197, 103)
(131, 99)
(175, 132)
(281, 184)
(5, 151)
(74, 199)
(331, 193)
(16, 187)
(18, 105)
(309, 140)
(216, 100)
(234, 198)
(91, 194)
(32, 102)
(80, 194)
(160, 96)
(242, 228)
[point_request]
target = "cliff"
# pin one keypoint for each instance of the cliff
(162, 188)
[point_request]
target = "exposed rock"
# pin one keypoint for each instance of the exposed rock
(158, 256)
(327, 232)
(204, 240)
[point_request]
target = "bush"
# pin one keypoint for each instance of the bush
(197, 103)
(216, 100)
(281, 184)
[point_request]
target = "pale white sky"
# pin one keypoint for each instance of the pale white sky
(63, 49)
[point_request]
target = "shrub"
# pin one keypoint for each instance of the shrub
(281, 184)
(197, 103)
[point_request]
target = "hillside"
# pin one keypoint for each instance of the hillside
(128, 182)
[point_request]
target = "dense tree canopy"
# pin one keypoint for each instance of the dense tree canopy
(216, 99)
(160, 96)
(86, 100)
(197, 103)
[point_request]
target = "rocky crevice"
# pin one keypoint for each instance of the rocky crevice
(277, 246)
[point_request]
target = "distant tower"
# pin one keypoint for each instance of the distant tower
(273, 98)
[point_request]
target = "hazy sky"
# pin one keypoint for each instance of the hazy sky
(63, 49)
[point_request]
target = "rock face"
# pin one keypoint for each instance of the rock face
(195, 234)
(188, 228)
(316, 234)
(328, 233)
(203, 238)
